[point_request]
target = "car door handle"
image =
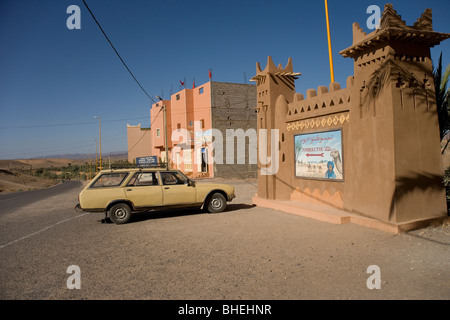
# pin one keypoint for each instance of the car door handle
(129, 189)
(167, 188)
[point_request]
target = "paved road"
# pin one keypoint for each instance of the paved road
(245, 252)
(22, 214)
(13, 201)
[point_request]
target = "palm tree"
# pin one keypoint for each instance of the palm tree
(443, 104)
(442, 99)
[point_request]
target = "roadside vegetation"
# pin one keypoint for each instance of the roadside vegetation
(81, 172)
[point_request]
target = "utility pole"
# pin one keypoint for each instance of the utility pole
(96, 155)
(165, 138)
(100, 139)
(330, 52)
(90, 162)
(165, 132)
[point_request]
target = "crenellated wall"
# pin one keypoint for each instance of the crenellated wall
(321, 108)
(324, 109)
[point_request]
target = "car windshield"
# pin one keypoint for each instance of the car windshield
(109, 180)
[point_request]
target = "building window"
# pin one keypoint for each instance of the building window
(157, 132)
(178, 97)
(202, 123)
(200, 91)
(178, 126)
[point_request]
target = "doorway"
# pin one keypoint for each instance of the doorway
(204, 166)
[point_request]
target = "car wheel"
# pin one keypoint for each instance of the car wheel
(120, 213)
(217, 203)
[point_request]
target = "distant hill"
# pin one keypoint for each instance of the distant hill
(117, 155)
(59, 160)
(26, 164)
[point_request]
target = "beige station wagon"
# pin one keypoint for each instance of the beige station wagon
(121, 192)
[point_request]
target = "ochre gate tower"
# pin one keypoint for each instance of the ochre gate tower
(394, 144)
(386, 149)
(272, 82)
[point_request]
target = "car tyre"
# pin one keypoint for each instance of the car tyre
(120, 213)
(216, 203)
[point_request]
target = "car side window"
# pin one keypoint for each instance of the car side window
(172, 178)
(109, 180)
(144, 179)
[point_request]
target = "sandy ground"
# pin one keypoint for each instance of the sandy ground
(13, 177)
(12, 181)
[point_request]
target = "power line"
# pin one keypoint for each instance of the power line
(66, 124)
(117, 53)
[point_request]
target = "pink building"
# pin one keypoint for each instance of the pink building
(191, 116)
(188, 115)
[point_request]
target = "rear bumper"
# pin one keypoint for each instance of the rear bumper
(78, 208)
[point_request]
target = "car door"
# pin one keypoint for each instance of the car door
(176, 190)
(144, 190)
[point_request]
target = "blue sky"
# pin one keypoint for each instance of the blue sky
(53, 80)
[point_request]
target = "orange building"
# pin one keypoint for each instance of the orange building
(194, 117)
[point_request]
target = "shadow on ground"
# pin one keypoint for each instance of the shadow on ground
(173, 213)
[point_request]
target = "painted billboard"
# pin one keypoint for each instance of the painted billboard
(319, 155)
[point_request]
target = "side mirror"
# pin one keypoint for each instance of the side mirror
(191, 183)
